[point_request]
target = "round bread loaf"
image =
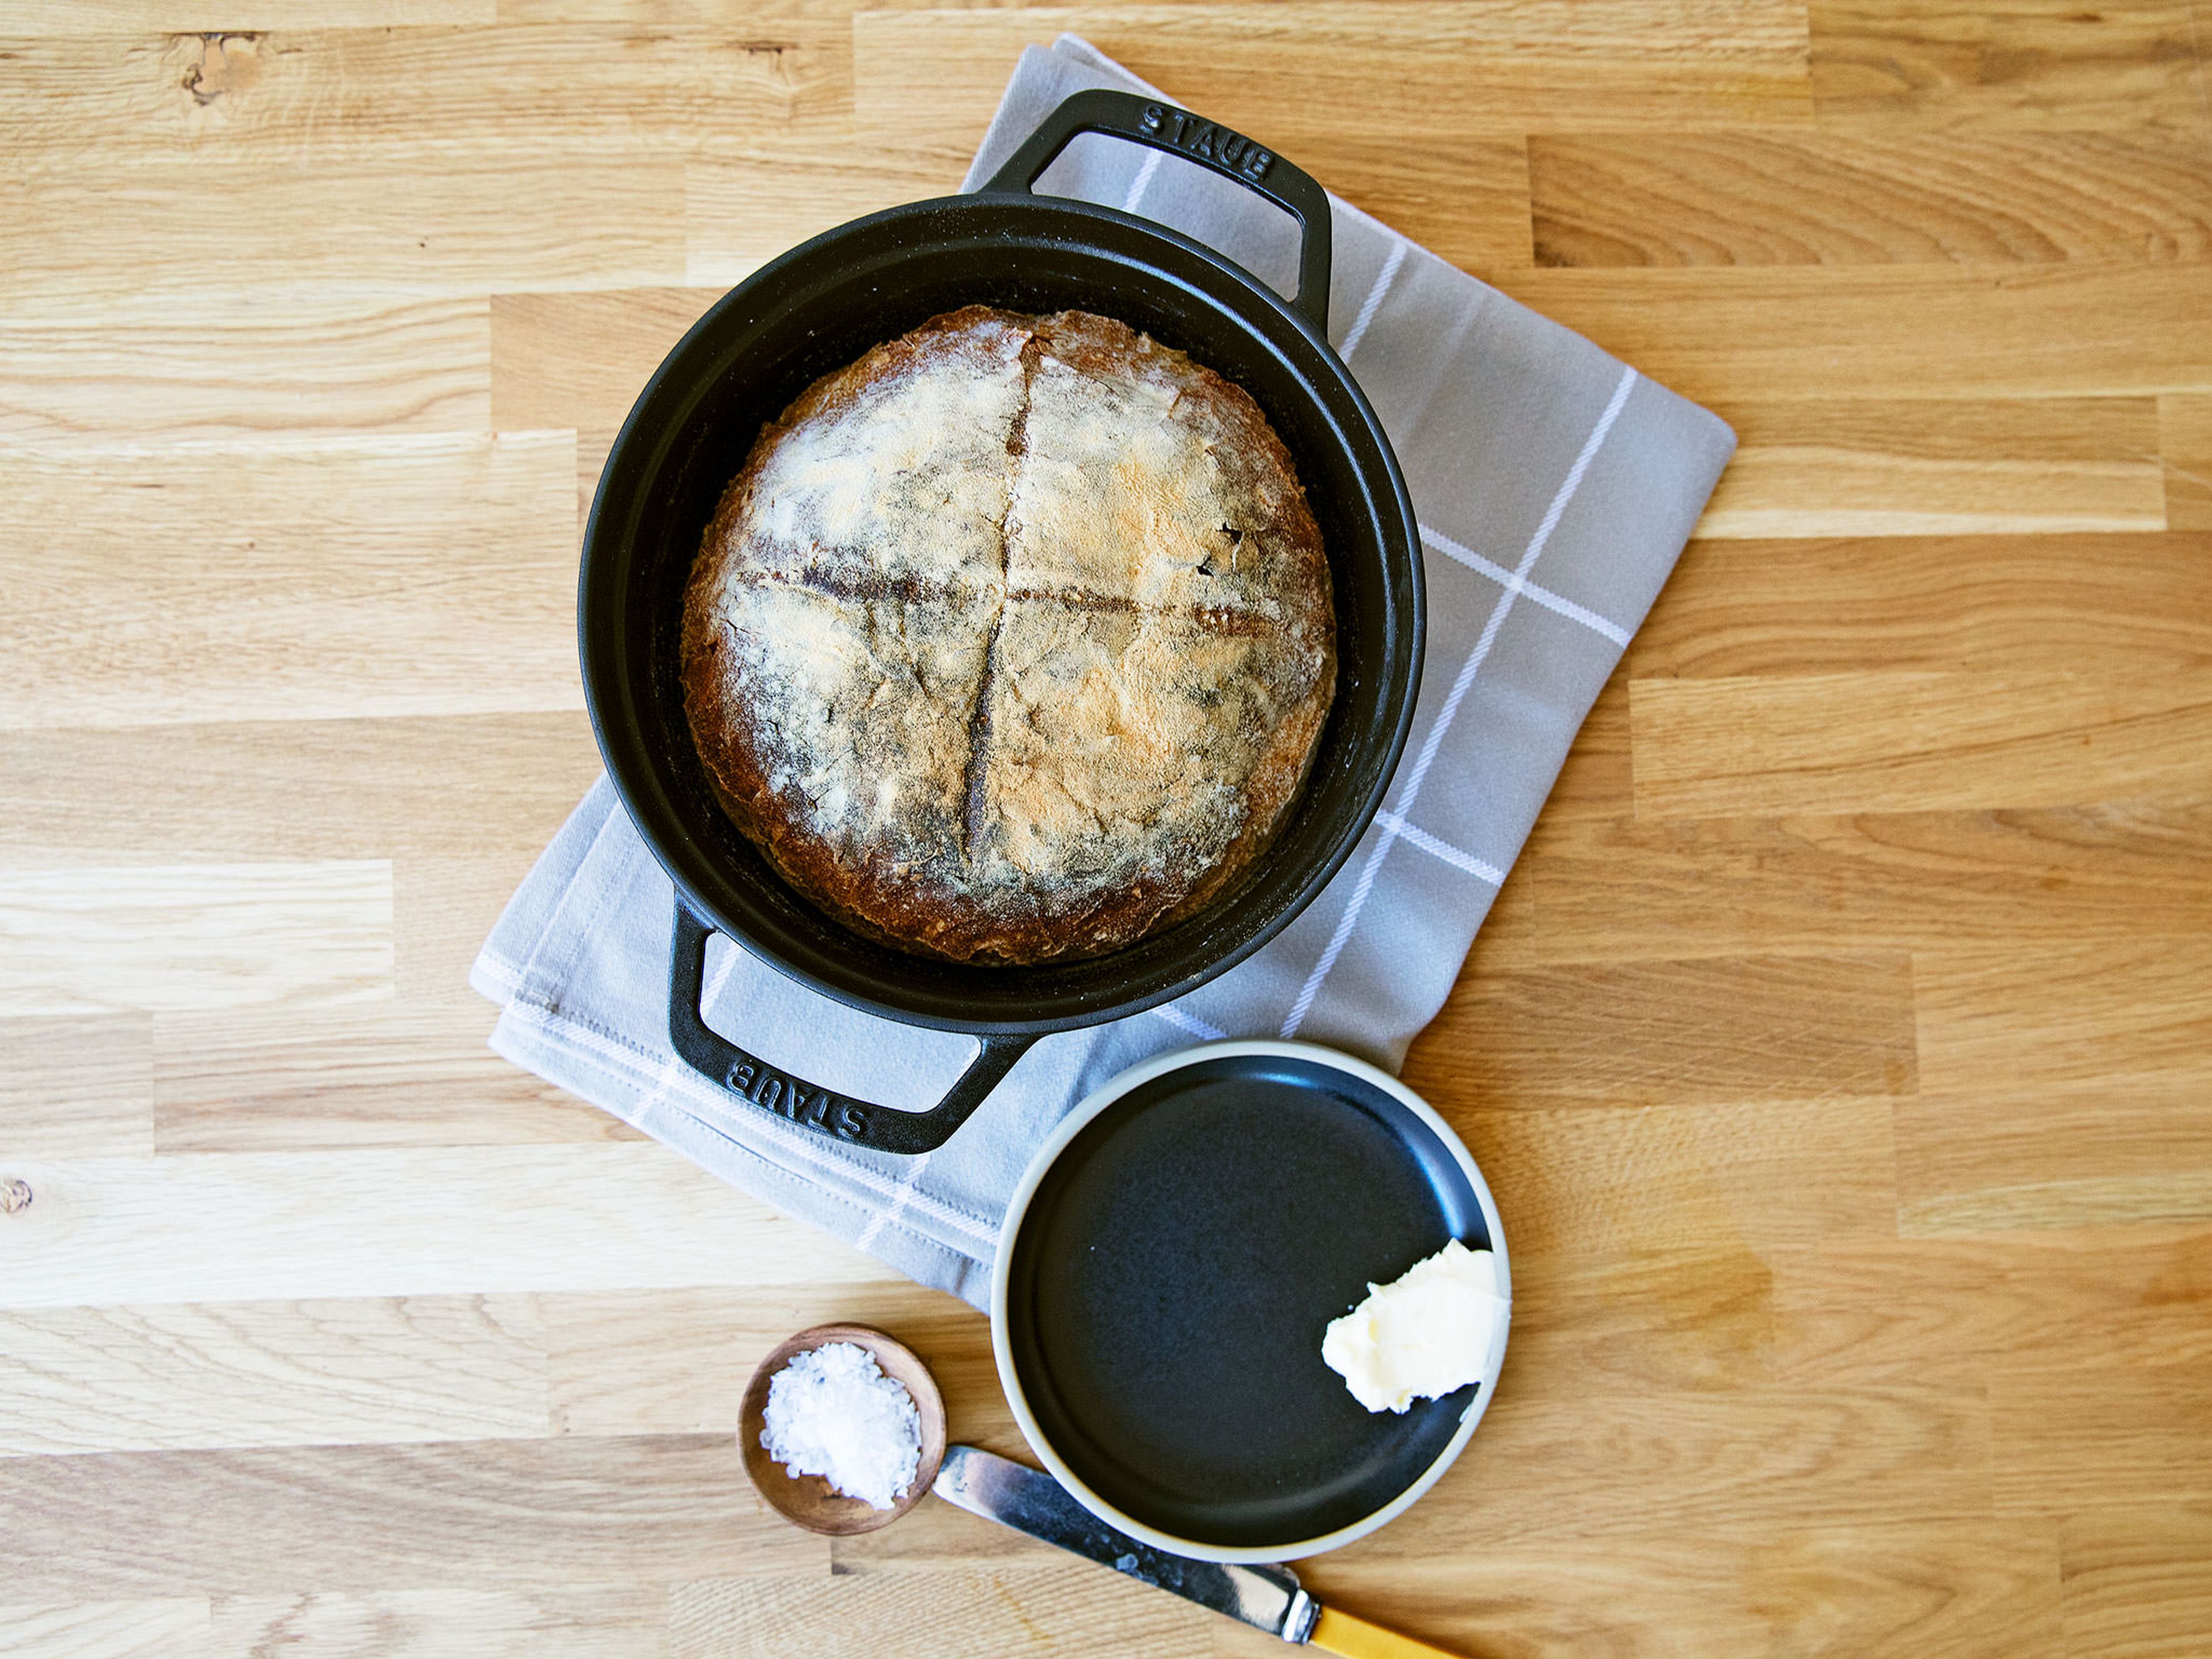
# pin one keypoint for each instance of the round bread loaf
(1011, 639)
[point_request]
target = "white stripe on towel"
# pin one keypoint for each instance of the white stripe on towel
(1411, 791)
(898, 1203)
(1543, 596)
(1373, 303)
(701, 1098)
(1436, 847)
(1137, 187)
(1190, 1023)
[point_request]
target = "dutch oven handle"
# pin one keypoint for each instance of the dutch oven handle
(1163, 127)
(808, 1105)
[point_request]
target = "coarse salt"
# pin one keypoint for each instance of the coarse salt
(832, 1411)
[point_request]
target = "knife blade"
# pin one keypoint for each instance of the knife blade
(1016, 1496)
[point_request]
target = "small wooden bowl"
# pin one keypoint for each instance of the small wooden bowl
(807, 1500)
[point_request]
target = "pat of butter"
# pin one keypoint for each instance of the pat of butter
(1422, 1335)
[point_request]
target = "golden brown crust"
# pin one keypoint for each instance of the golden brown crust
(1011, 639)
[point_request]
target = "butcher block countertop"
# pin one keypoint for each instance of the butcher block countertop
(1840, 1048)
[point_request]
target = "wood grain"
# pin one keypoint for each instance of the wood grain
(502, 1515)
(297, 93)
(443, 910)
(94, 241)
(2185, 446)
(1465, 202)
(1585, 1182)
(740, 214)
(582, 1621)
(176, 1628)
(1836, 1049)
(1872, 468)
(170, 938)
(677, 1362)
(578, 360)
(410, 1072)
(938, 1533)
(1598, 777)
(2011, 603)
(2113, 1013)
(729, 14)
(569, 1622)
(135, 16)
(1901, 1452)
(208, 368)
(1059, 1606)
(80, 1087)
(2070, 1436)
(1784, 198)
(1711, 1028)
(1598, 1325)
(1964, 1590)
(2026, 64)
(2047, 878)
(1456, 72)
(2017, 1156)
(255, 1225)
(2138, 1582)
(348, 788)
(1958, 1308)
(1917, 742)
(1895, 332)
(272, 1374)
(338, 577)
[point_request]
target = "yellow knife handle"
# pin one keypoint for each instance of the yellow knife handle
(1355, 1639)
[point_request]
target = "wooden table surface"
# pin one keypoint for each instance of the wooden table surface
(1840, 1049)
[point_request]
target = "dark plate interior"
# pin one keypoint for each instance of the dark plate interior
(823, 305)
(1174, 1273)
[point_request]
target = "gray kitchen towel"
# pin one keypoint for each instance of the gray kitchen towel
(1555, 487)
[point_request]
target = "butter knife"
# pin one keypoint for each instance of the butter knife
(1269, 1597)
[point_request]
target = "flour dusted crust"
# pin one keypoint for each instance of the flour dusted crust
(1013, 638)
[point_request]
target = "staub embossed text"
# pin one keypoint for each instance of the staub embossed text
(1196, 137)
(802, 1103)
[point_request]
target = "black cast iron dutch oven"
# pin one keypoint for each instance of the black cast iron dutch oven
(817, 308)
